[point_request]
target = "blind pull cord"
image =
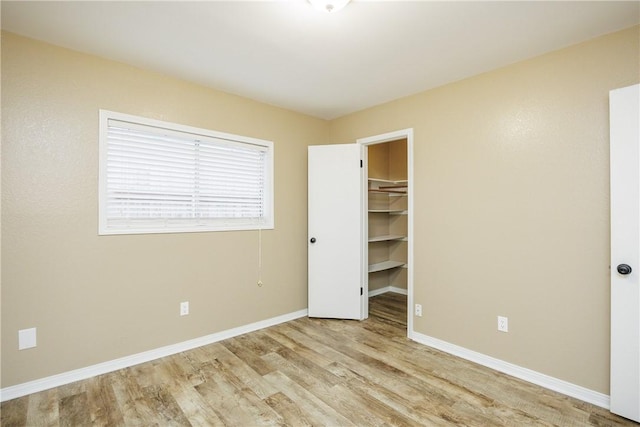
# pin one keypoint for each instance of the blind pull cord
(260, 256)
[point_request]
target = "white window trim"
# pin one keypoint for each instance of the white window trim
(221, 225)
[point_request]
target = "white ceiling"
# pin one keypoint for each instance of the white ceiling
(288, 54)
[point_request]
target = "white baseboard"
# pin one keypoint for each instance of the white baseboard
(387, 289)
(35, 386)
(546, 381)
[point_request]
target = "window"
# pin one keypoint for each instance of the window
(159, 177)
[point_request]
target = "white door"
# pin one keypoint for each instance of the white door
(334, 228)
(625, 252)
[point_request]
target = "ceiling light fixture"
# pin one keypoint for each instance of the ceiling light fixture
(330, 6)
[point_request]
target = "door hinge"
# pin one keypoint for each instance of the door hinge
(360, 163)
(361, 291)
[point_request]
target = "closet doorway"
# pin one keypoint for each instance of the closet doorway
(360, 224)
(387, 228)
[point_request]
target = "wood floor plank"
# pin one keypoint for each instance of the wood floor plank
(250, 357)
(390, 309)
(191, 364)
(370, 372)
(165, 406)
(280, 335)
(309, 372)
(452, 390)
(258, 343)
(288, 410)
(236, 406)
(360, 360)
(14, 412)
(331, 391)
(314, 408)
(71, 389)
(135, 408)
(43, 409)
(377, 411)
(425, 413)
(607, 419)
(241, 369)
(197, 410)
(517, 394)
(102, 402)
(74, 410)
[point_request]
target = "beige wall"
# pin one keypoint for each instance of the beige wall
(512, 205)
(96, 298)
(511, 212)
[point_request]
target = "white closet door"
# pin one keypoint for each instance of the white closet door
(625, 252)
(334, 228)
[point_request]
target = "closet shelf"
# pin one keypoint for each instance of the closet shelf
(389, 181)
(389, 211)
(393, 191)
(386, 238)
(397, 188)
(385, 265)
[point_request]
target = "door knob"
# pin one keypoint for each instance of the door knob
(313, 240)
(624, 269)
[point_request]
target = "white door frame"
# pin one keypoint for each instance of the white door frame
(379, 139)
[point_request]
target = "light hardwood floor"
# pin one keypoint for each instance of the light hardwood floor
(308, 372)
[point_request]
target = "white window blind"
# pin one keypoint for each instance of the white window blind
(162, 177)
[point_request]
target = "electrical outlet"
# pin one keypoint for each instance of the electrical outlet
(26, 338)
(184, 308)
(418, 310)
(503, 324)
